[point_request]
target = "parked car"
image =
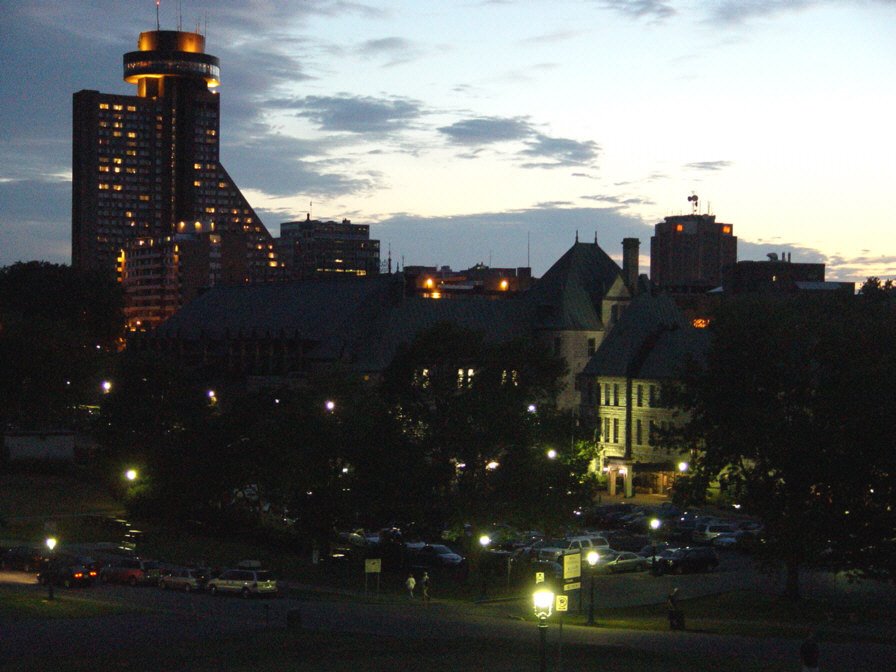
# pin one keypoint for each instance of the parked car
(61, 573)
(132, 571)
(186, 579)
(244, 582)
(626, 561)
(688, 559)
(554, 549)
(436, 556)
(23, 558)
(706, 532)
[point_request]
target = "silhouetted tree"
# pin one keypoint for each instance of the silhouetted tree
(794, 415)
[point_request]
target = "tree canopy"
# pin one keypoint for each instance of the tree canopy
(794, 415)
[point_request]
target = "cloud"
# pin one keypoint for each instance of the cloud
(618, 200)
(734, 12)
(560, 152)
(354, 114)
(555, 152)
(487, 130)
(537, 236)
(396, 49)
(709, 165)
(27, 234)
(656, 10)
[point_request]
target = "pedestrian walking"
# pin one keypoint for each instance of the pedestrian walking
(809, 653)
(410, 584)
(424, 584)
(676, 615)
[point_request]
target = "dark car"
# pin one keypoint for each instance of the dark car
(61, 573)
(689, 559)
(436, 556)
(23, 558)
(132, 571)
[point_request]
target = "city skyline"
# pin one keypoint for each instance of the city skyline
(494, 131)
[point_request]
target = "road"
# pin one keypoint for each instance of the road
(176, 615)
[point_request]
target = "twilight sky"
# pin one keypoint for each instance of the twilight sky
(492, 130)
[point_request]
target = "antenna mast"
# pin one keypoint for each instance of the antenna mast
(158, 26)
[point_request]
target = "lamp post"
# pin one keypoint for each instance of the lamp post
(484, 541)
(131, 475)
(51, 544)
(543, 601)
(592, 558)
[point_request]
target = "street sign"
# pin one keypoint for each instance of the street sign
(572, 586)
(539, 577)
(572, 565)
(373, 566)
(562, 603)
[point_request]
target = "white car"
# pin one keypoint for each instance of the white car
(244, 582)
(554, 549)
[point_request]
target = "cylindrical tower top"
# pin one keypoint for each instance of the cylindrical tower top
(171, 53)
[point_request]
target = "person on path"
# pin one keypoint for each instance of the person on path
(410, 584)
(425, 585)
(809, 653)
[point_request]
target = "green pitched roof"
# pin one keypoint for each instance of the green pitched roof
(569, 295)
(651, 340)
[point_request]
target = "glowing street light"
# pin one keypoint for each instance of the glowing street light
(330, 405)
(655, 524)
(106, 386)
(683, 467)
(552, 454)
(543, 602)
(131, 475)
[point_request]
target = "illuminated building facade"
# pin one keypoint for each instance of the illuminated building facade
(623, 389)
(432, 282)
(144, 164)
(312, 248)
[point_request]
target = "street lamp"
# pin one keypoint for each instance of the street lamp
(543, 601)
(552, 454)
(51, 544)
(106, 386)
(131, 475)
(683, 467)
(592, 558)
(330, 405)
(484, 541)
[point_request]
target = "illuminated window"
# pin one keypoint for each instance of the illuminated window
(504, 285)
(197, 166)
(104, 106)
(117, 107)
(104, 185)
(132, 108)
(679, 227)
(700, 322)
(132, 134)
(726, 229)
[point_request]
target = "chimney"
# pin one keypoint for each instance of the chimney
(630, 251)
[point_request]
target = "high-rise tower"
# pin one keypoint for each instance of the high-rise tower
(147, 166)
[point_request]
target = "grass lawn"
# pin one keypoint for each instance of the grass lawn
(15, 605)
(332, 652)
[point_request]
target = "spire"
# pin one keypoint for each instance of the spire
(577, 235)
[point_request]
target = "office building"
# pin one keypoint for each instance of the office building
(688, 253)
(312, 248)
(142, 165)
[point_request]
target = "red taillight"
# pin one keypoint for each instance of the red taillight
(79, 575)
(92, 573)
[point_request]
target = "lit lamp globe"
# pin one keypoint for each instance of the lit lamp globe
(485, 540)
(682, 467)
(552, 454)
(592, 558)
(51, 543)
(655, 524)
(543, 602)
(131, 475)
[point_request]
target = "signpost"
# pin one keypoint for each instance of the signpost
(373, 566)
(572, 573)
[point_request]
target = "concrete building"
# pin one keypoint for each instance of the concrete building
(622, 392)
(143, 164)
(688, 253)
(312, 248)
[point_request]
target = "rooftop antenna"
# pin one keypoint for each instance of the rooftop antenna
(595, 236)
(310, 203)
(694, 201)
(180, 16)
(158, 26)
(528, 262)
(390, 258)
(577, 235)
